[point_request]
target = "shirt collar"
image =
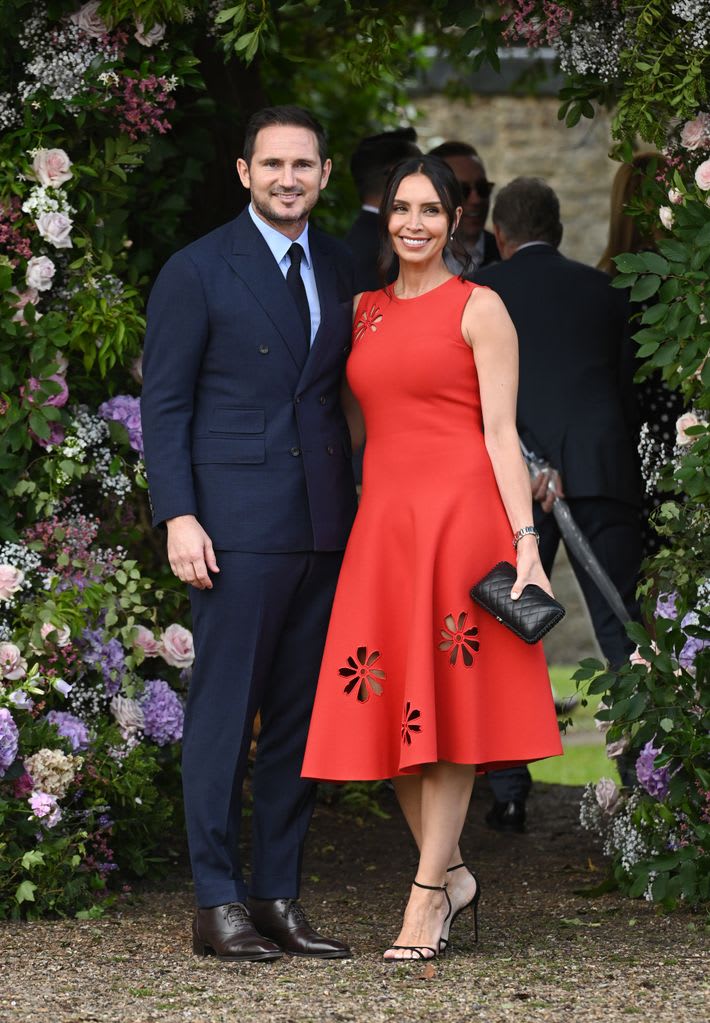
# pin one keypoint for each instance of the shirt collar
(526, 245)
(278, 243)
(369, 209)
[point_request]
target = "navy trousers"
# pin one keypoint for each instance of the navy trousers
(259, 636)
(613, 529)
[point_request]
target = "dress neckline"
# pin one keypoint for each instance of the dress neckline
(413, 298)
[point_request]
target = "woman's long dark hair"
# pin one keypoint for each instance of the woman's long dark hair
(447, 189)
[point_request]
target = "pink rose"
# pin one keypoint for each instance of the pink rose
(696, 133)
(616, 748)
(12, 663)
(55, 228)
(40, 271)
(152, 36)
(30, 296)
(702, 176)
(683, 423)
(177, 647)
(607, 795)
(675, 196)
(45, 808)
(88, 20)
(665, 214)
(51, 167)
(60, 636)
(145, 639)
(11, 580)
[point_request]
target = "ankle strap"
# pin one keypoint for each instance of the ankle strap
(431, 887)
(457, 867)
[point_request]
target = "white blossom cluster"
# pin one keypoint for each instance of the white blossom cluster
(621, 837)
(116, 485)
(697, 15)
(87, 699)
(653, 457)
(9, 114)
(19, 555)
(47, 200)
(109, 286)
(592, 48)
(5, 631)
(704, 595)
(60, 57)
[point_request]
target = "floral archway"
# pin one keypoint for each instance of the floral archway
(119, 121)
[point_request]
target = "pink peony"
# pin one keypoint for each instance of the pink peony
(88, 20)
(152, 36)
(702, 176)
(683, 423)
(59, 635)
(177, 647)
(58, 400)
(55, 228)
(12, 664)
(607, 795)
(51, 167)
(145, 639)
(696, 133)
(11, 580)
(40, 271)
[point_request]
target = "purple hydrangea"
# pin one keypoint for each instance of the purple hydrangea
(162, 713)
(666, 605)
(693, 645)
(656, 780)
(9, 739)
(108, 656)
(125, 410)
(70, 727)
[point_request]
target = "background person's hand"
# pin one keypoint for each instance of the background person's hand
(190, 552)
(547, 486)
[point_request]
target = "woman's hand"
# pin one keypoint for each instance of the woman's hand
(530, 568)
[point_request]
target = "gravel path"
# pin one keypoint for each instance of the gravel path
(546, 953)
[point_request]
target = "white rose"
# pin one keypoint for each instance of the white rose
(55, 228)
(702, 176)
(51, 167)
(88, 20)
(128, 715)
(675, 196)
(666, 216)
(150, 38)
(177, 646)
(40, 271)
(607, 795)
(12, 664)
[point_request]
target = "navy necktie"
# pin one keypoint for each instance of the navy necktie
(298, 290)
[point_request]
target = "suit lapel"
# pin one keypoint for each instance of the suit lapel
(251, 259)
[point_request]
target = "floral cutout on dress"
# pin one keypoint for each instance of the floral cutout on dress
(407, 726)
(369, 320)
(363, 675)
(458, 637)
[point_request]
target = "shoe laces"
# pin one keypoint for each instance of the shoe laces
(294, 909)
(236, 913)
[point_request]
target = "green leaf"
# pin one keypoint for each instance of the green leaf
(667, 724)
(703, 236)
(655, 263)
(645, 287)
(39, 425)
(654, 313)
(32, 858)
(26, 892)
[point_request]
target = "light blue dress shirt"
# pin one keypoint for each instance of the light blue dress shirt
(279, 245)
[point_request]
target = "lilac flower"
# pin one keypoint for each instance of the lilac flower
(70, 727)
(107, 656)
(162, 713)
(45, 808)
(655, 780)
(21, 700)
(666, 605)
(9, 739)
(125, 410)
(693, 644)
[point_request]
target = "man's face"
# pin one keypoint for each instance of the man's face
(285, 176)
(471, 176)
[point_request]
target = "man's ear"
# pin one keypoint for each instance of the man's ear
(243, 172)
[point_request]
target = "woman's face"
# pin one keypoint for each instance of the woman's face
(418, 225)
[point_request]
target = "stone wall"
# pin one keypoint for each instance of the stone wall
(522, 136)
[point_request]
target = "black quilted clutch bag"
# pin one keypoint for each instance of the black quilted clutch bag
(530, 617)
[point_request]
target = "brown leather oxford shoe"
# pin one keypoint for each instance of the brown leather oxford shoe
(284, 921)
(228, 932)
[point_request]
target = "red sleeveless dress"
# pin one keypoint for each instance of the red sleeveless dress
(413, 671)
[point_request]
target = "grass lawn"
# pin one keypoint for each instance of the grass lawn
(585, 755)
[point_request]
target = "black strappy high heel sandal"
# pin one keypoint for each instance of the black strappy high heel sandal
(444, 940)
(421, 949)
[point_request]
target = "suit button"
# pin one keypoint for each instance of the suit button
(297, 401)
(263, 349)
(322, 399)
(295, 452)
(330, 449)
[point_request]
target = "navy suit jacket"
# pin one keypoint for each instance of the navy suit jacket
(236, 430)
(575, 397)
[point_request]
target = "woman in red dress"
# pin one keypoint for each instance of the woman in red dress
(417, 683)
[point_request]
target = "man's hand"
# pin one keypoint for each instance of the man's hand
(546, 486)
(190, 552)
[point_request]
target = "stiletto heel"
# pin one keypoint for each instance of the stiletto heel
(473, 903)
(420, 949)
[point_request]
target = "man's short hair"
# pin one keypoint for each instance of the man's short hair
(285, 116)
(376, 155)
(527, 210)
(454, 148)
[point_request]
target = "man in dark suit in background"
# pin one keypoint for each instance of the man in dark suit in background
(479, 244)
(248, 460)
(370, 166)
(575, 412)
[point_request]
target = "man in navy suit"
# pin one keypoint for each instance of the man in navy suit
(248, 460)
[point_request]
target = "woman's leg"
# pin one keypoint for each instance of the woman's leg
(444, 798)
